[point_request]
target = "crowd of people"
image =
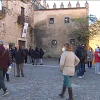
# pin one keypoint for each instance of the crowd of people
(90, 57)
(68, 62)
(17, 56)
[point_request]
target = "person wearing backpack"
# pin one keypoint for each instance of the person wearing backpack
(41, 56)
(80, 53)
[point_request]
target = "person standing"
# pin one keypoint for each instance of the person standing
(6, 69)
(90, 56)
(19, 56)
(33, 56)
(4, 63)
(81, 54)
(97, 61)
(41, 56)
(30, 54)
(36, 55)
(85, 54)
(26, 54)
(68, 62)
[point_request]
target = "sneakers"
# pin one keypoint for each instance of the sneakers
(5, 93)
(80, 76)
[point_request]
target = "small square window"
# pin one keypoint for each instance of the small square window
(54, 42)
(72, 41)
(66, 20)
(51, 21)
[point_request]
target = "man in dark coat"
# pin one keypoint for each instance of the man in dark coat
(4, 63)
(26, 54)
(36, 55)
(19, 56)
(80, 53)
(33, 56)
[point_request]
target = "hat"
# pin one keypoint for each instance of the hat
(1, 42)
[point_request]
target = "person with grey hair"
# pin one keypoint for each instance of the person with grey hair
(19, 56)
(4, 63)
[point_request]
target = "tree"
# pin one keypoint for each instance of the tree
(82, 31)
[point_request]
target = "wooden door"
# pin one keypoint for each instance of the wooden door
(21, 44)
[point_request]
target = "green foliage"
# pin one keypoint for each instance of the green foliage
(81, 32)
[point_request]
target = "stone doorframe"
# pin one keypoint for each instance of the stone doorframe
(21, 39)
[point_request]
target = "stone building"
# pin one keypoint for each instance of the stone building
(27, 22)
(53, 26)
(13, 16)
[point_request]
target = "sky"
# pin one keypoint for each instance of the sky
(94, 6)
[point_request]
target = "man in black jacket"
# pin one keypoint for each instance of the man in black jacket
(19, 56)
(81, 54)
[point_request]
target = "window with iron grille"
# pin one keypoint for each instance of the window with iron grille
(66, 20)
(51, 21)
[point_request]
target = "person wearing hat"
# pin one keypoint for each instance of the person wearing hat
(4, 63)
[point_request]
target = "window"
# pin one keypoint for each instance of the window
(66, 20)
(22, 11)
(72, 41)
(54, 42)
(51, 21)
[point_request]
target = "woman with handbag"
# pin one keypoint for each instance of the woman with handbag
(68, 62)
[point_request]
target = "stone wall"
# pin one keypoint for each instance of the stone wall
(44, 32)
(10, 30)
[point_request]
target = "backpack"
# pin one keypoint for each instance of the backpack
(82, 54)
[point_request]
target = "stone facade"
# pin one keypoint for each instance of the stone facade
(47, 28)
(10, 26)
(10, 30)
(46, 33)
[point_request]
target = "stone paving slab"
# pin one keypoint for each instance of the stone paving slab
(45, 82)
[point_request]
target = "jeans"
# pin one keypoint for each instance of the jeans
(2, 84)
(4, 73)
(89, 64)
(81, 69)
(41, 61)
(67, 81)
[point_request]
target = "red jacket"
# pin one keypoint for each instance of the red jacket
(5, 59)
(97, 58)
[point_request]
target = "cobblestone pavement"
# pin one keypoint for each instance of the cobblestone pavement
(45, 82)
